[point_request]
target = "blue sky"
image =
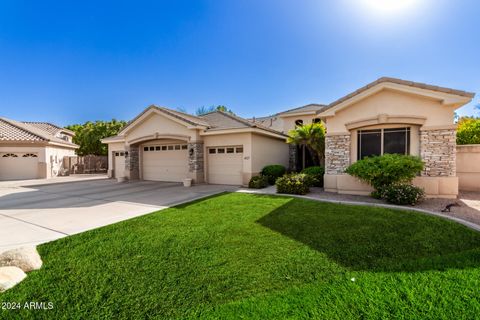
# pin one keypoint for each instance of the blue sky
(73, 61)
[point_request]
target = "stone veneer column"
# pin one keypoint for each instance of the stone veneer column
(438, 152)
(292, 157)
(196, 163)
(337, 153)
(132, 163)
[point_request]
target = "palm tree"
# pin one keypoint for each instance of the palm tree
(312, 137)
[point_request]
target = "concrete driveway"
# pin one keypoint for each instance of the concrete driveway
(41, 213)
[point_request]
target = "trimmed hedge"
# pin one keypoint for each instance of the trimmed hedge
(316, 174)
(273, 172)
(402, 194)
(293, 184)
(382, 171)
(258, 182)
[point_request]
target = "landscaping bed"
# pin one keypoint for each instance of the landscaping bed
(260, 256)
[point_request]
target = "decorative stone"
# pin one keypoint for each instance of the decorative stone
(25, 258)
(337, 153)
(132, 162)
(438, 152)
(10, 276)
(195, 157)
(292, 157)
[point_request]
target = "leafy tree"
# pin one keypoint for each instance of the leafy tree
(203, 110)
(312, 136)
(468, 130)
(88, 135)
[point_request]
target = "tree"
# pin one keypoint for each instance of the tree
(203, 110)
(89, 134)
(312, 136)
(468, 130)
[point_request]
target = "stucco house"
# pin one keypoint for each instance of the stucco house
(32, 150)
(386, 116)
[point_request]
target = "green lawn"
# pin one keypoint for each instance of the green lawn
(247, 256)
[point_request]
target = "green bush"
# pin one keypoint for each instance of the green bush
(468, 131)
(258, 182)
(272, 172)
(382, 171)
(293, 184)
(403, 194)
(316, 174)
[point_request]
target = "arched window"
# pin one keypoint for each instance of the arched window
(29, 155)
(316, 120)
(299, 122)
(10, 155)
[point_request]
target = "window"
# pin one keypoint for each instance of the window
(116, 154)
(164, 147)
(299, 122)
(380, 141)
(145, 148)
(152, 148)
(230, 150)
(177, 147)
(239, 150)
(170, 147)
(221, 150)
(316, 120)
(157, 148)
(10, 155)
(212, 151)
(29, 155)
(184, 147)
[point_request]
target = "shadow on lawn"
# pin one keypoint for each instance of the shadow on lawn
(377, 239)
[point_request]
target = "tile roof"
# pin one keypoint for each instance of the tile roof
(47, 126)
(402, 82)
(11, 130)
(312, 107)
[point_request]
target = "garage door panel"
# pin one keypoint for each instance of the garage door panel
(225, 168)
(119, 165)
(165, 165)
(18, 166)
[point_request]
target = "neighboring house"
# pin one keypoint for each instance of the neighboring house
(31, 150)
(218, 148)
(386, 116)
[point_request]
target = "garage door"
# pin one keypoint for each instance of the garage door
(119, 164)
(18, 166)
(225, 165)
(165, 162)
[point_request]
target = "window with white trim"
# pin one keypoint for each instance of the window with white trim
(377, 142)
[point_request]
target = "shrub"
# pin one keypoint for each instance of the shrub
(272, 172)
(468, 131)
(293, 184)
(316, 175)
(403, 194)
(382, 171)
(258, 182)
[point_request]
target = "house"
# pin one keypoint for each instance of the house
(386, 116)
(218, 147)
(31, 150)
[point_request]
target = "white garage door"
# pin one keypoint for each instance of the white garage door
(225, 165)
(18, 166)
(119, 164)
(165, 162)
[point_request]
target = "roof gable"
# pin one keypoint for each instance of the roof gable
(446, 96)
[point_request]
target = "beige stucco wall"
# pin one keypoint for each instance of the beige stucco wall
(288, 123)
(468, 167)
(396, 103)
(267, 150)
(54, 156)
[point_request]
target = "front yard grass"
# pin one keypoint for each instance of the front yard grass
(247, 256)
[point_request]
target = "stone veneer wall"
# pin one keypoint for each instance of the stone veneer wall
(438, 152)
(195, 157)
(132, 163)
(292, 157)
(337, 153)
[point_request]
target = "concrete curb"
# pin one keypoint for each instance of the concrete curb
(468, 224)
